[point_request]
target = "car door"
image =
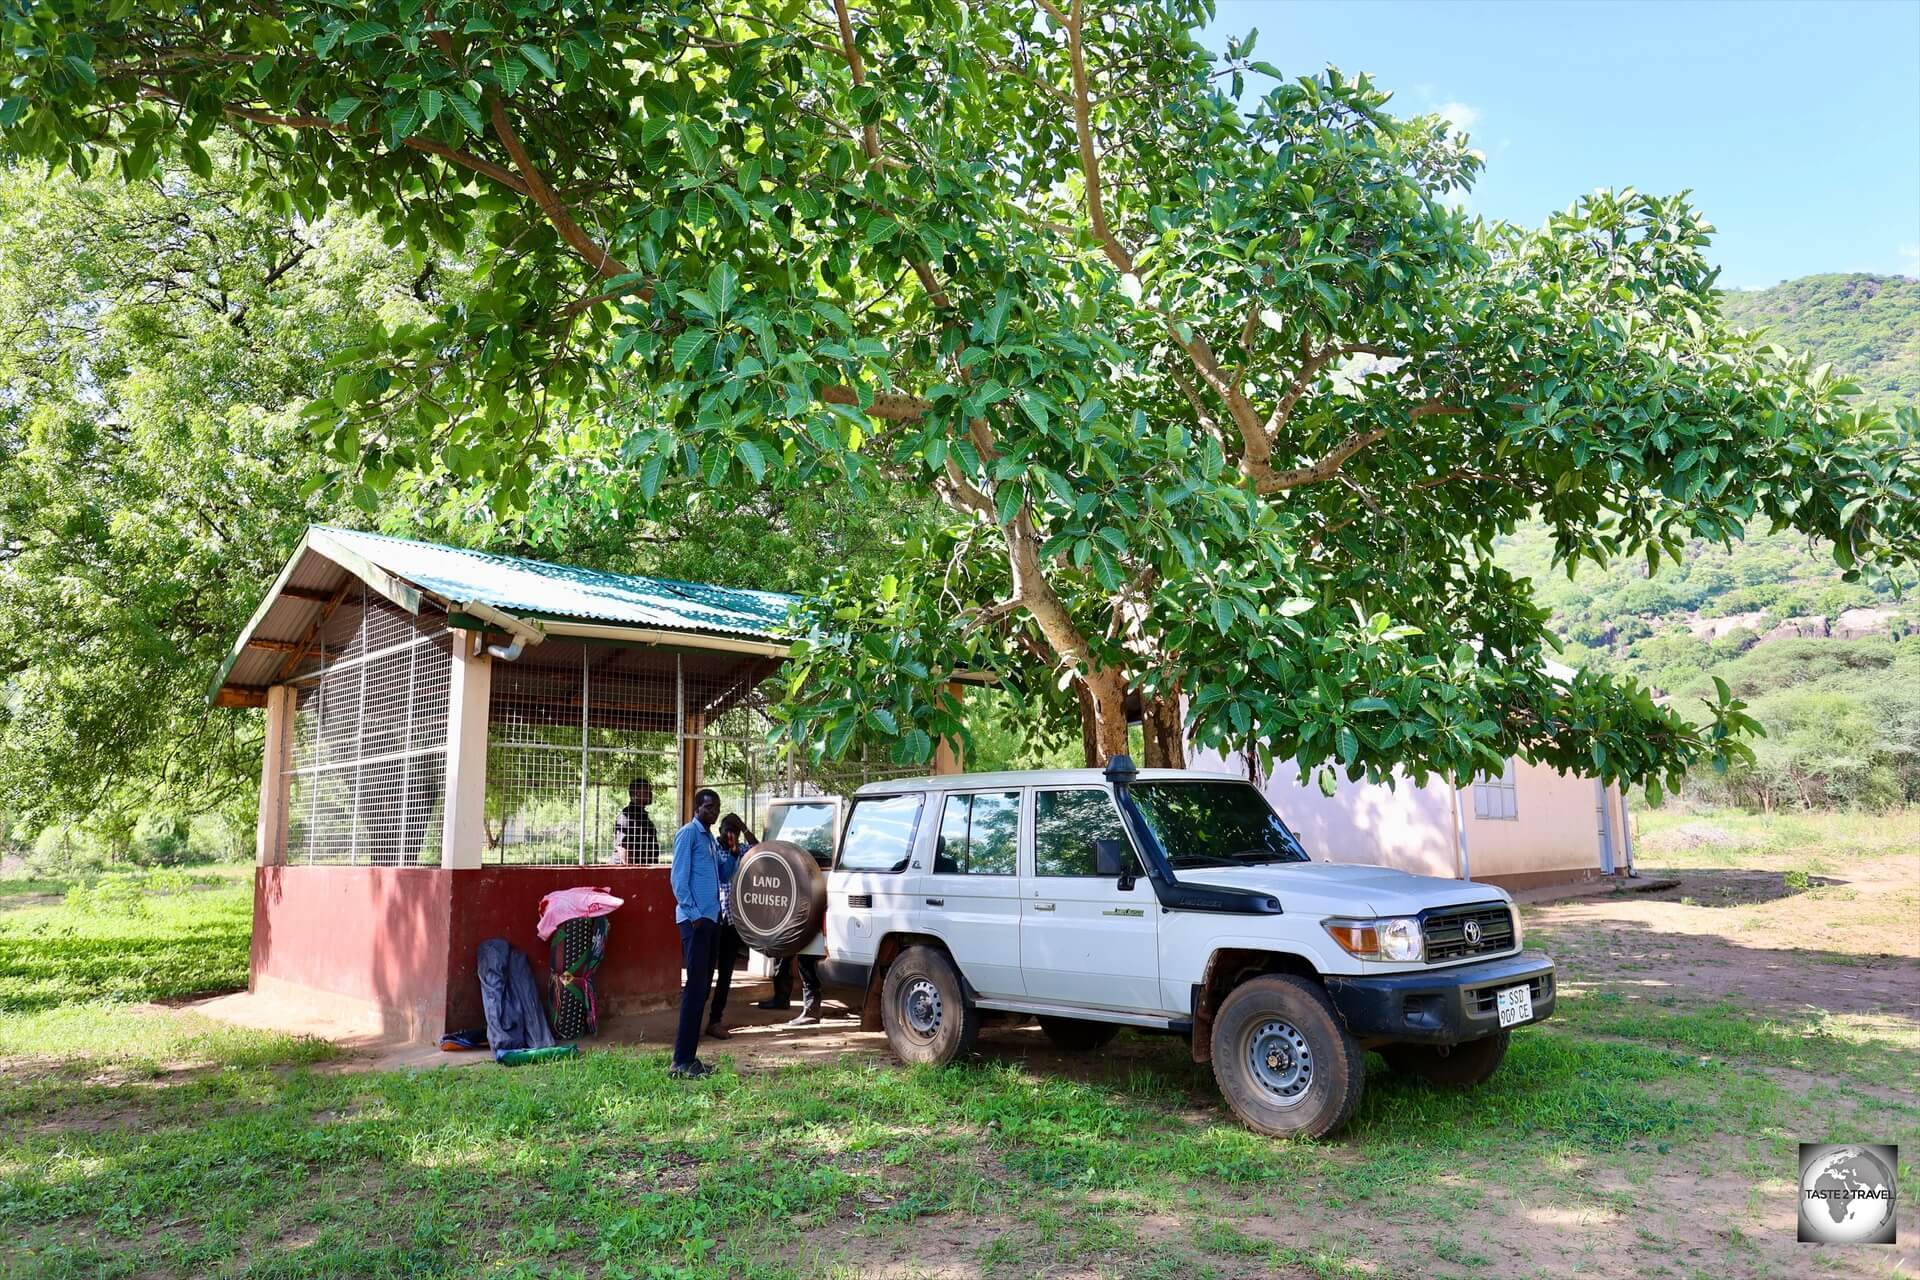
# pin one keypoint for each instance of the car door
(1083, 939)
(867, 888)
(970, 892)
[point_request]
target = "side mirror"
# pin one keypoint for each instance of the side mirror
(1113, 858)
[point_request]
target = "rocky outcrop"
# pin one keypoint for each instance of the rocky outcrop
(1811, 627)
(1858, 624)
(1714, 628)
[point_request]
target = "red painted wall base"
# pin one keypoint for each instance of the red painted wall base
(394, 947)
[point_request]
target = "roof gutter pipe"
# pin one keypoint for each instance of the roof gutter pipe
(523, 632)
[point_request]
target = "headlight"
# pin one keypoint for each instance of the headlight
(1393, 938)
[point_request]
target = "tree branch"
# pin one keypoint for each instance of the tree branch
(1328, 465)
(604, 264)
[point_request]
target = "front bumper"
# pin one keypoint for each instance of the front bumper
(1440, 1006)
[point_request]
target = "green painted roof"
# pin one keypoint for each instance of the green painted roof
(541, 590)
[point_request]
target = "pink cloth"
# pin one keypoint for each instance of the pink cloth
(563, 905)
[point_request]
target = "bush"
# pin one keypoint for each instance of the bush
(160, 840)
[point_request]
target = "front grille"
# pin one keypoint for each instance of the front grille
(1446, 930)
(1481, 999)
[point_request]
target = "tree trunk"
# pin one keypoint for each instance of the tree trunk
(1160, 727)
(1103, 716)
(1089, 739)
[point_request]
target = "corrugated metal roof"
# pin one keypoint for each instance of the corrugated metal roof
(542, 590)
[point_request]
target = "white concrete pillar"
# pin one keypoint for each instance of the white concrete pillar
(270, 834)
(463, 830)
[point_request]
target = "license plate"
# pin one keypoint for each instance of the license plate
(1515, 1005)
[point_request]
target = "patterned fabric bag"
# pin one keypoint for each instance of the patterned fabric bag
(576, 951)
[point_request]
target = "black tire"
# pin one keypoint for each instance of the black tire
(925, 1010)
(1078, 1034)
(1309, 1072)
(779, 898)
(1451, 1066)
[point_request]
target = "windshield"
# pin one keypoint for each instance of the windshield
(1212, 824)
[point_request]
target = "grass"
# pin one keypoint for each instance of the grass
(1679, 838)
(141, 1140)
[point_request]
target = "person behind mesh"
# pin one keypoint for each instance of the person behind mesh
(634, 838)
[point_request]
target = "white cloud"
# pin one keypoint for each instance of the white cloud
(1459, 115)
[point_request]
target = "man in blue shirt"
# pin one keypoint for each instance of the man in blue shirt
(696, 898)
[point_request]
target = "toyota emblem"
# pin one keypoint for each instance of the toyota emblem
(1473, 933)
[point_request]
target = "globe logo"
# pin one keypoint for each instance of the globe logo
(1847, 1193)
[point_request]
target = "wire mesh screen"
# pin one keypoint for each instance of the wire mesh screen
(366, 781)
(576, 738)
(586, 745)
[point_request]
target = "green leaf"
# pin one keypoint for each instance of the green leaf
(430, 100)
(1295, 606)
(364, 30)
(1222, 616)
(723, 284)
(511, 72)
(689, 346)
(538, 57)
(756, 462)
(469, 113)
(342, 108)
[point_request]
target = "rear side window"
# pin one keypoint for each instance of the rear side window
(880, 834)
(1065, 825)
(808, 825)
(978, 834)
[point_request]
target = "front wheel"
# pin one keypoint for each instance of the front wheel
(1452, 1066)
(1284, 1060)
(925, 1010)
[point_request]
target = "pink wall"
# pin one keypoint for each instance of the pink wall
(1404, 826)
(394, 947)
(372, 936)
(642, 965)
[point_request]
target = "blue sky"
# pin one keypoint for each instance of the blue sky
(1797, 126)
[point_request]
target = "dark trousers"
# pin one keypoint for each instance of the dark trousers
(697, 939)
(809, 967)
(726, 954)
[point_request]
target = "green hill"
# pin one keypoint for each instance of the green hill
(1866, 326)
(1837, 690)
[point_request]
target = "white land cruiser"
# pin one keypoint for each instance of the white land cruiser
(1171, 900)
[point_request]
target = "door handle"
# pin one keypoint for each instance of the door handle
(936, 902)
(1043, 906)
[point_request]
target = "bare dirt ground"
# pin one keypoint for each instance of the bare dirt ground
(1849, 943)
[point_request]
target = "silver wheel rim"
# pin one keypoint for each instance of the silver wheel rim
(1280, 1061)
(920, 1005)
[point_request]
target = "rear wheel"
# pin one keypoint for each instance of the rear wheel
(1452, 1066)
(1283, 1058)
(1078, 1034)
(925, 1010)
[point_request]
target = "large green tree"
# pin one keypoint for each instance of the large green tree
(1224, 403)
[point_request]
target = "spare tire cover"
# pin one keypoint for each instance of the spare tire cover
(779, 897)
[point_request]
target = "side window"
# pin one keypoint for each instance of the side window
(880, 834)
(1497, 798)
(808, 825)
(977, 834)
(1065, 825)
